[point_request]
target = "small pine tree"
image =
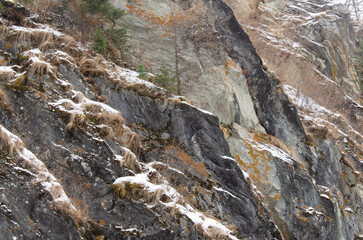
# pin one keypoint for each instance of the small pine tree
(103, 8)
(166, 79)
(2, 9)
(100, 44)
(142, 71)
(118, 38)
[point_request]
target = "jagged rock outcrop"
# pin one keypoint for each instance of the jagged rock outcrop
(309, 45)
(298, 156)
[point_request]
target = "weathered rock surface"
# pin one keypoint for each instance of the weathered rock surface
(308, 45)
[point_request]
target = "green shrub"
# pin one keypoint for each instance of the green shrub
(143, 72)
(2, 9)
(118, 38)
(103, 8)
(100, 44)
(166, 79)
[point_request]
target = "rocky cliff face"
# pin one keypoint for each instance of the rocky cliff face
(89, 151)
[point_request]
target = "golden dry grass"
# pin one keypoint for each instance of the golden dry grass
(10, 145)
(279, 144)
(46, 45)
(42, 36)
(40, 68)
(4, 31)
(137, 191)
(4, 102)
(7, 75)
(130, 161)
(79, 213)
(76, 120)
(92, 67)
(21, 36)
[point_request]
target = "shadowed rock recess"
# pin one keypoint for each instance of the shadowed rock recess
(88, 150)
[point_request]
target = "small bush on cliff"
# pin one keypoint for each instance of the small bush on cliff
(104, 9)
(166, 79)
(100, 44)
(141, 69)
(118, 38)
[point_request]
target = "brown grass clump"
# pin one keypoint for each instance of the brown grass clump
(349, 163)
(42, 36)
(92, 67)
(137, 191)
(21, 36)
(4, 102)
(8, 144)
(279, 144)
(126, 136)
(46, 45)
(4, 31)
(40, 68)
(213, 233)
(79, 213)
(76, 120)
(130, 160)
(7, 75)
(59, 58)
(318, 132)
(174, 211)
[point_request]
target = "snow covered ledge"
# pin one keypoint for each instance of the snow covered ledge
(37, 169)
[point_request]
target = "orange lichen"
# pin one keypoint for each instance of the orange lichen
(186, 160)
(102, 222)
(277, 196)
(260, 137)
(258, 169)
(166, 22)
(3, 62)
(226, 132)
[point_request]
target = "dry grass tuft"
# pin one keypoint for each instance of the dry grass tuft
(154, 197)
(46, 45)
(9, 144)
(21, 36)
(4, 31)
(318, 132)
(40, 68)
(42, 36)
(76, 120)
(92, 67)
(130, 160)
(137, 191)
(79, 213)
(129, 138)
(7, 75)
(174, 211)
(349, 163)
(4, 102)
(279, 144)
(215, 233)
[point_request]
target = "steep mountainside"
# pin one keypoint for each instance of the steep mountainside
(91, 151)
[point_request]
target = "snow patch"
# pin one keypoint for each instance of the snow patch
(43, 176)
